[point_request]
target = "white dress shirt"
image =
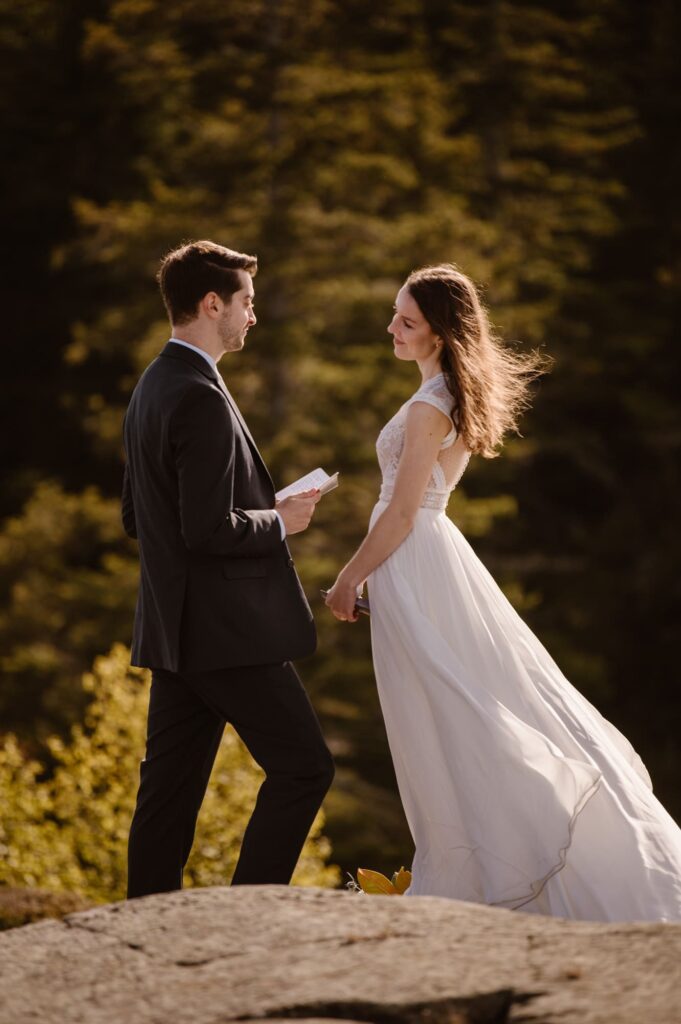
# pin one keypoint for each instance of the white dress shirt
(214, 366)
(209, 359)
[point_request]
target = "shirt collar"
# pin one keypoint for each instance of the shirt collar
(209, 359)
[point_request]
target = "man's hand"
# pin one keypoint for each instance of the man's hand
(297, 510)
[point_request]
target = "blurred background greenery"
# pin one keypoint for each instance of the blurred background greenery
(534, 144)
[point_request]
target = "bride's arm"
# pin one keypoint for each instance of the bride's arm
(425, 430)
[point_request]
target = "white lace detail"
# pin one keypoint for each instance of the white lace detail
(452, 458)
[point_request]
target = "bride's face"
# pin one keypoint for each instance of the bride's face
(412, 335)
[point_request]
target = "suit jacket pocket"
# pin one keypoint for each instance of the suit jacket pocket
(244, 568)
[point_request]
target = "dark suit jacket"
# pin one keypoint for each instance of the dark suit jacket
(217, 585)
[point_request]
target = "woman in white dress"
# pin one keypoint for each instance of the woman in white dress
(518, 793)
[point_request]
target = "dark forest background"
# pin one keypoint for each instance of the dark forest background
(534, 144)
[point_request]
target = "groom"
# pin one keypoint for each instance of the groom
(220, 612)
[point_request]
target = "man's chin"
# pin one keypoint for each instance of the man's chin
(235, 344)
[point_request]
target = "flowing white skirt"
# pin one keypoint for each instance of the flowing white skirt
(517, 791)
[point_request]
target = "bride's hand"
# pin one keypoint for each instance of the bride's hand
(341, 600)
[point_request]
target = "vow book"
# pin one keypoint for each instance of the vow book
(317, 478)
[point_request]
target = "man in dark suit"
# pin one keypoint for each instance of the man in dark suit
(220, 612)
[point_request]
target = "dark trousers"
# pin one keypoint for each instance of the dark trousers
(271, 712)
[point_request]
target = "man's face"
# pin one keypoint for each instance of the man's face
(238, 315)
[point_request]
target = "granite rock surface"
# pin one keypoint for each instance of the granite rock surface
(272, 953)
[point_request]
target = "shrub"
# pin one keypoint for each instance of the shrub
(67, 829)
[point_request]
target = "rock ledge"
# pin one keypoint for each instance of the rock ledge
(210, 956)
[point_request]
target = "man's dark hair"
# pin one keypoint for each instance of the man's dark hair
(196, 268)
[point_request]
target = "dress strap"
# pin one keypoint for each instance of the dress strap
(441, 399)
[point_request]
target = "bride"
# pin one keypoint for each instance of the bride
(518, 793)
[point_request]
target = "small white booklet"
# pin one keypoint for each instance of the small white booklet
(317, 478)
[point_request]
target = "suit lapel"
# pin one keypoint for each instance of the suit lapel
(242, 423)
(235, 409)
(187, 355)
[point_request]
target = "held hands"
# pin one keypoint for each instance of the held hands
(342, 597)
(297, 510)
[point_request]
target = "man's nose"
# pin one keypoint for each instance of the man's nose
(251, 319)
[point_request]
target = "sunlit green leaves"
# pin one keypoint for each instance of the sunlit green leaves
(67, 829)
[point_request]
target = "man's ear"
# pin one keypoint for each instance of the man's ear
(212, 305)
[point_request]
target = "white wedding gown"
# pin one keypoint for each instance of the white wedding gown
(518, 793)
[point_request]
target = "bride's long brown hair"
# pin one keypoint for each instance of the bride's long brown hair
(489, 382)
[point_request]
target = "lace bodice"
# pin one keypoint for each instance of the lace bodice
(452, 458)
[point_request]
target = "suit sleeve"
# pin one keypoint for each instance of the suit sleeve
(203, 443)
(127, 507)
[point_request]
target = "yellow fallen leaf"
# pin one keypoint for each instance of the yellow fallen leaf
(401, 881)
(374, 883)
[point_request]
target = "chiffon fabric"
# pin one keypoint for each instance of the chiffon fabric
(517, 791)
